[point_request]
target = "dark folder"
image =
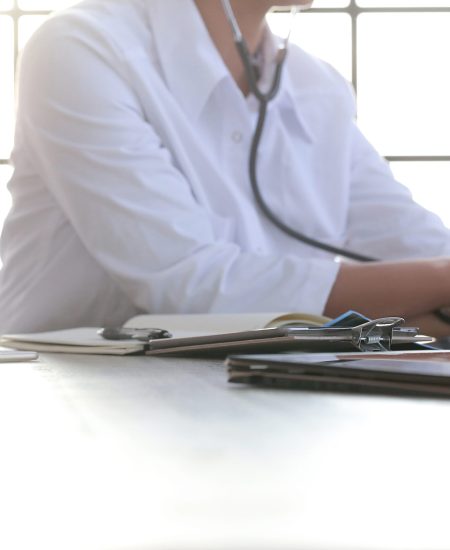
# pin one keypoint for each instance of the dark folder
(414, 372)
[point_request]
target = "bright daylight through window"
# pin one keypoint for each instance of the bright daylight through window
(394, 51)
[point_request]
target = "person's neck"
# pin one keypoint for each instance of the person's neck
(250, 17)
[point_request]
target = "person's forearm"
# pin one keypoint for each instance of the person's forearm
(408, 289)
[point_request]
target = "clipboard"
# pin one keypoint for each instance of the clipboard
(377, 335)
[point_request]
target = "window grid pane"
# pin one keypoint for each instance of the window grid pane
(6, 5)
(402, 90)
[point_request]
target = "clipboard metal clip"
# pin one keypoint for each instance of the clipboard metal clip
(375, 335)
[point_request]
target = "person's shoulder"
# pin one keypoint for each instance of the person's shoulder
(311, 75)
(111, 25)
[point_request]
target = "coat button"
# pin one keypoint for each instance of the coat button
(237, 136)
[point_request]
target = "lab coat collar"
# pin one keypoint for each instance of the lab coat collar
(181, 36)
(190, 62)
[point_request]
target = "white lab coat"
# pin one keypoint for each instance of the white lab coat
(131, 191)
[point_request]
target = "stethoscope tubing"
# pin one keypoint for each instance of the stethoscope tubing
(264, 98)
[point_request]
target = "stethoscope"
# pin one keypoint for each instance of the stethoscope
(264, 99)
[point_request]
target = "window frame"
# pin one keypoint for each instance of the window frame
(352, 9)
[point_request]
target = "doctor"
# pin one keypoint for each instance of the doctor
(131, 190)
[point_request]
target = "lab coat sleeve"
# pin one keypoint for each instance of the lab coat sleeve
(130, 206)
(384, 221)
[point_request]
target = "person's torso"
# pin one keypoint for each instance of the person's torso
(184, 91)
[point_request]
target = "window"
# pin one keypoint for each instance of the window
(394, 51)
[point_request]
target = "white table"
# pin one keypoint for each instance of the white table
(138, 453)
